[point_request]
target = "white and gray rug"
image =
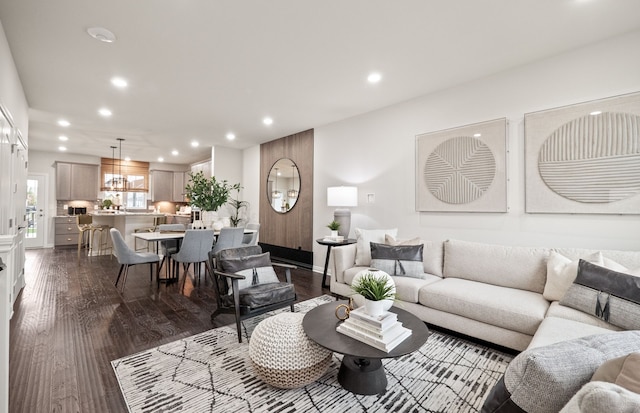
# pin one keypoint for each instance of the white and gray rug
(211, 372)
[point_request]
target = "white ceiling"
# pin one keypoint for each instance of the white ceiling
(198, 69)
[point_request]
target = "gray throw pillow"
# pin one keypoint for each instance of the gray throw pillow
(256, 269)
(401, 260)
(610, 295)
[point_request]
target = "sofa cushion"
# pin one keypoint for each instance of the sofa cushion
(366, 236)
(543, 379)
(513, 309)
(432, 253)
(562, 311)
(610, 295)
(623, 371)
(554, 330)
(601, 397)
(514, 267)
(400, 260)
(408, 288)
(562, 271)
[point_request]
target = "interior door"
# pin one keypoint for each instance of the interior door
(35, 231)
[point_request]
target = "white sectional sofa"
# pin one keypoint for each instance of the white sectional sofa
(491, 292)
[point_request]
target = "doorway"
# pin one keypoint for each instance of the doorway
(35, 203)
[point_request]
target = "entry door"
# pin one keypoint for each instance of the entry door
(34, 234)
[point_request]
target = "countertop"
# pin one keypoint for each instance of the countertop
(114, 213)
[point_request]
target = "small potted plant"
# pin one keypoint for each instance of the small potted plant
(375, 289)
(334, 226)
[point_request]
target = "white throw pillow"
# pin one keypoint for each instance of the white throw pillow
(363, 239)
(562, 272)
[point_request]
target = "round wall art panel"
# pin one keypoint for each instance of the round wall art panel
(459, 170)
(594, 158)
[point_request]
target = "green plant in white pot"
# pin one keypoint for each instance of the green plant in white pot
(376, 289)
(334, 226)
(208, 194)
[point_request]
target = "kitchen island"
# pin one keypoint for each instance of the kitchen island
(124, 221)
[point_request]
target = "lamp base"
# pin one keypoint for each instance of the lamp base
(343, 216)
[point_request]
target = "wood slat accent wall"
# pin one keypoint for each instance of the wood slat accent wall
(295, 228)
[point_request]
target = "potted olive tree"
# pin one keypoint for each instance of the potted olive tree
(375, 289)
(208, 194)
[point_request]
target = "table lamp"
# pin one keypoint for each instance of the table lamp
(342, 196)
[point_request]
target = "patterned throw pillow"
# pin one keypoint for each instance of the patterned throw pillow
(610, 295)
(403, 260)
(256, 269)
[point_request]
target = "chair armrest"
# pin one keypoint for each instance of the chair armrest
(343, 258)
(231, 276)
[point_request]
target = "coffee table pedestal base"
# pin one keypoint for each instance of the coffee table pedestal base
(362, 375)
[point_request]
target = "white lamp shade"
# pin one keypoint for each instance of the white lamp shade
(342, 196)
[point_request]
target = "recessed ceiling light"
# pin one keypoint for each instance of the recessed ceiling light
(231, 136)
(477, 135)
(127, 158)
(119, 82)
(195, 144)
(64, 123)
(104, 112)
(102, 34)
(267, 121)
(62, 148)
(174, 152)
(160, 159)
(63, 138)
(595, 112)
(374, 77)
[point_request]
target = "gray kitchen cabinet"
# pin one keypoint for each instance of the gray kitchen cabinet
(76, 181)
(161, 186)
(180, 179)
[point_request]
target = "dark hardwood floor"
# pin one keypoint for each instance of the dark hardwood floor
(69, 322)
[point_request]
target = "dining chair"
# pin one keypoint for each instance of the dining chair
(229, 237)
(170, 246)
(251, 239)
(194, 249)
(127, 257)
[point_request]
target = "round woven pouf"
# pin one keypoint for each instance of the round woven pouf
(283, 355)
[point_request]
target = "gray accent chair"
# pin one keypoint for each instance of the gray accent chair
(128, 257)
(253, 300)
(194, 249)
(251, 239)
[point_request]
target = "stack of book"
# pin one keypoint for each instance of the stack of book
(384, 332)
(337, 238)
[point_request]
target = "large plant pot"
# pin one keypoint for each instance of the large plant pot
(374, 308)
(208, 218)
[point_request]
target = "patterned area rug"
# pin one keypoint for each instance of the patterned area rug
(211, 372)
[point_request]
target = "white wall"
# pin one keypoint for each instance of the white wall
(376, 152)
(251, 181)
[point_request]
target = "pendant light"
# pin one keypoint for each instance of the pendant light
(293, 192)
(121, 180)
(113, 166)
(276, 194)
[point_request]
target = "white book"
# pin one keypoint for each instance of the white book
(385, 337)
(384, 321)
(368, 328)
(386, 347)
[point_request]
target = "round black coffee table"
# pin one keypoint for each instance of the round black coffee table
(361, 370)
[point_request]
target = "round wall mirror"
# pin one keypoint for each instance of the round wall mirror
(283, 185)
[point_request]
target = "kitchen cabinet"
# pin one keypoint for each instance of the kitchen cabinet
(66, 231)
(76, 181)
(167, 186)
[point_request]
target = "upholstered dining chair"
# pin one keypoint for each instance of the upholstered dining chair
(229, 237)
(246, 284)
(128, 257)
(194, 249)
(169, 247)
(251, 239)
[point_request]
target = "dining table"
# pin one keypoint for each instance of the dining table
(158, 236)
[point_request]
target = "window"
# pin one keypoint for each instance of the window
(124, 176)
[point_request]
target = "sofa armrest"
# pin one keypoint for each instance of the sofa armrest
(344, 257)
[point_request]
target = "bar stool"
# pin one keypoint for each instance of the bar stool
(84, 227)
(103, 240)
